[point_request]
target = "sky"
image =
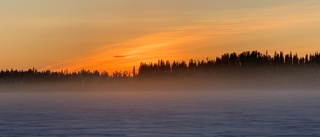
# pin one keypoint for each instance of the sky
(110, 35)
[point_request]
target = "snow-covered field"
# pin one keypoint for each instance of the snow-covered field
(162, 114)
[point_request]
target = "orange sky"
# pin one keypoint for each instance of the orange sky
(117, 35)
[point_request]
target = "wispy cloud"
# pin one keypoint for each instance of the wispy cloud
(181, 42)
(119, 56)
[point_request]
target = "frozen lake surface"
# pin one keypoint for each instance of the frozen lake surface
(158, 114)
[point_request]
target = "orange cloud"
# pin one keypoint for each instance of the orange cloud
(179, 43)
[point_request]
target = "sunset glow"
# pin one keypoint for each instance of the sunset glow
(115, 35)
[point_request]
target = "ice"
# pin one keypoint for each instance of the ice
(158, 114)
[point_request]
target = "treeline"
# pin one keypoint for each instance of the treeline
(246, 61)
(33, 75)
(225, 65)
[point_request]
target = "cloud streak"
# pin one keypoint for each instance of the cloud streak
(185, 41)
(119, 56)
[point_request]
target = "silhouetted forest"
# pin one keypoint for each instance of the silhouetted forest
(230, 68)
(245, 60)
